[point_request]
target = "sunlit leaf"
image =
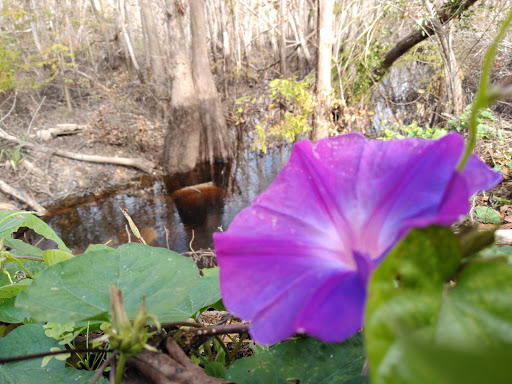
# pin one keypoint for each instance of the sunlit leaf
(54, 256)
(79, 288)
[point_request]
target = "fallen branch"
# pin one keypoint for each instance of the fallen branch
(59, 130)
(6, 188)
(174, 368)
(139, 163)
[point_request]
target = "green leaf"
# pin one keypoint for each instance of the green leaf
(79, 288)
(477, 310)
(29, 339)
(25, 219)
(10, 221)
(8, 290)
(426, 363)
(303, 360)
(10, 314)
(487, 215)
(422, 296)
(20, 248)
(54, 256)
(215, 369)
(406, 290)
(205, 294)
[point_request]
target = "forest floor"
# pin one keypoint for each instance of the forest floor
(113, 128)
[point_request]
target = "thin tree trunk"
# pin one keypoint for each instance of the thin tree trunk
(128, 42)
(323, 74)
(282, 40)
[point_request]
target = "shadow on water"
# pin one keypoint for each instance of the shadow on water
(170, 212)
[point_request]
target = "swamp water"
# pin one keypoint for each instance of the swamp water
(181, 212)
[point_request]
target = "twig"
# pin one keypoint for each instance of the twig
(220, 329)
(167, 237)
(35, 114)
(103, 366)
(190, 244)
(22, 197)
(43, 354)
(10, 110)
(140, 163)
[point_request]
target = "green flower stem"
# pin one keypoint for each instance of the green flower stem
(484, 96)
(120, 367)
(237, 347)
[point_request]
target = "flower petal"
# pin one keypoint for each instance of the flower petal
(298, 259)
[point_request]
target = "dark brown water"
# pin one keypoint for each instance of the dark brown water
(166, 214)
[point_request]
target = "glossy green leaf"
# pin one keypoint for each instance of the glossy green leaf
(54, 256)
(422, 292)
(29, 339)
(303, 360)
(79, 288)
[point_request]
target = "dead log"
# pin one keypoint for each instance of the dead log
(59, 130)
(139, 163)
(6, 188)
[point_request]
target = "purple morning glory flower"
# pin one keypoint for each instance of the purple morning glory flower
(299, 259)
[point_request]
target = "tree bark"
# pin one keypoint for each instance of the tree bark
(282, 39)
(181, 149)
(452, 70)
(450, 10)
(155, 53)
(323, 73)
(215, 145)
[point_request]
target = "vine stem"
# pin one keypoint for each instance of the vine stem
(120, 367)
(484, 96)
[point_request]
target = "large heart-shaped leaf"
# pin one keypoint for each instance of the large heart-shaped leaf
(204, 294)
(303, 360)
(423, 292)
(79, 288)
(30, 339)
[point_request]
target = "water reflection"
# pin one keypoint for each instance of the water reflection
(166, 214)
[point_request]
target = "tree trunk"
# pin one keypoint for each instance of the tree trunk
(282, 40)
(452, 70)
(323, 73)
(181, 150)
(155, 53)
(215, 145)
